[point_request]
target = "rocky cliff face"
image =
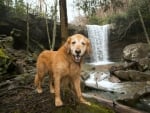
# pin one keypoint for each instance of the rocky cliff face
(117, 44)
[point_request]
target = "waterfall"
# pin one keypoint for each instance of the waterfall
(98, 36)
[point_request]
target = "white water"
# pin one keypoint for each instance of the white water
(98, 36)
(103, 83)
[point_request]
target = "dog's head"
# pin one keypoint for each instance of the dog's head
(78, 45)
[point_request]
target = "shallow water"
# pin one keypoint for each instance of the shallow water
(127, 92)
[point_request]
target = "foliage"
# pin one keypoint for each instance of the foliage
(94, 20)
(20, 8)
(97, 20)
(88, 6)
(143, 5)
(117, 18)
(128, 22)
(13, 8)
(8, 3)
(91, 7)
(4, 10)
(122, 13)
(132, 12)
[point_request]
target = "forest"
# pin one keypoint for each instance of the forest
(28, 27)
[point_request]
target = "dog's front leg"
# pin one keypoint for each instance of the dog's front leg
(76, 82)
(58, 101)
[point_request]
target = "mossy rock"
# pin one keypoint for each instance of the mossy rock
(95, 107)
(3, 58)
(4, 61)
(72, 104)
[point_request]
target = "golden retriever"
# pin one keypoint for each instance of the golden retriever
(64, 62)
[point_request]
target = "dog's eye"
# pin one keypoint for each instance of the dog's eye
(73, 42)
(83, 43)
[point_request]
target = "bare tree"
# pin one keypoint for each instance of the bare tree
(137, 3)
(54, 18)
(54, 24)
(63, 21)
(47, 28)
(41, 2)
(143, 25)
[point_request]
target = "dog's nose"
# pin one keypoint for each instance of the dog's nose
(78, 51)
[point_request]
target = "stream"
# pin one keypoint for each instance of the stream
(133, 94)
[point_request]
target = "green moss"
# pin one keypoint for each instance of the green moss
(64, 109)
(17, 111)
(82, 108)
(4, 61)
(100, 108)
(94, 108)
(3, 54)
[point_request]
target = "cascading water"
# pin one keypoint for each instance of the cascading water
(101, 77)
(99, 41)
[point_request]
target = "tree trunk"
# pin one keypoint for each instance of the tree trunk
(143, 25)
(63, 20)
(47, 28)
(54, 24)
(27, 48)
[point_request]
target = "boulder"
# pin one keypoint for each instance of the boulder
(144, 63)
(114, 79)
(134, 52)
(132, 75)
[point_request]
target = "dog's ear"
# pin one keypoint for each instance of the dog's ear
(67, 44)
(89, 47)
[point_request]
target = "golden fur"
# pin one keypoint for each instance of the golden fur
(64, 62)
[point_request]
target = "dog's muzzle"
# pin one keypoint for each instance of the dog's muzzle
(77, 56)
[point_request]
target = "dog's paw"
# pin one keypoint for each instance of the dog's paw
(52, 91)
(86, 102)
(58, 102)
(39, 90)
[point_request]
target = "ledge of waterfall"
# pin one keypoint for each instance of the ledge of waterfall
(100, 63)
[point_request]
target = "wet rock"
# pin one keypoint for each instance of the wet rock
(132, 75)
(114, 79)
(99, 76)
(6, 42)
(144, 64)
(134, 52)
(84, 75)
(116, 68)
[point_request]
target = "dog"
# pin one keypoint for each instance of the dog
(64, 62)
